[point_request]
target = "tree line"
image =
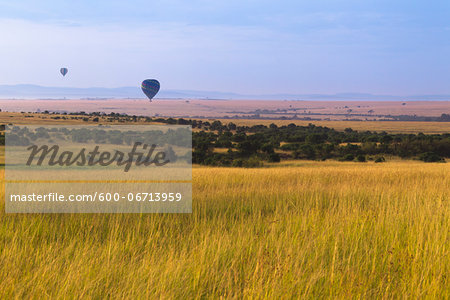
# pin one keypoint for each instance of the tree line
(227, 144)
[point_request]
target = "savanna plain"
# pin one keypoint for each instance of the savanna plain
(297, 229)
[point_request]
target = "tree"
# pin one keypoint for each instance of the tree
(307, 151)
(231, 126)
(248, 147)
(170, 154)
(268, 148)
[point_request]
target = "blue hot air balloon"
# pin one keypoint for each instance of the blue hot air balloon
(64, 71)
(150, 87)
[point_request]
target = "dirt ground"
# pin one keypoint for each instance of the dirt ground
(321, 110)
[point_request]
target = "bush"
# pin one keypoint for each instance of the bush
(237, 163)
(306, 151)
(380, 159)
(361, 158)
(431, 157)
(348, 157)
(274, 157)
(252, 162)
(290, 147)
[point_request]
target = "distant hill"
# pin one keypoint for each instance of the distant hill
(28, 91)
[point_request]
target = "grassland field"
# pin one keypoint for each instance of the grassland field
(388, 126)
(298, 229)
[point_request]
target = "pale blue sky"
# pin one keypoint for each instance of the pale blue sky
(323, 46)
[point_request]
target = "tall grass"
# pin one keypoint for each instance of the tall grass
(315, 229)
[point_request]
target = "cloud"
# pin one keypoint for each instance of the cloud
(237, 46)
(119, 55)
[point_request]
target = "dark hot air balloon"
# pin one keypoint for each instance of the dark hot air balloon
(64, 71)
(150, 87)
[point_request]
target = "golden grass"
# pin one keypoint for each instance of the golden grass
(305, 229)
(388, 126)
(18, 118)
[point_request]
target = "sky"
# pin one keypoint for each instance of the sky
(399, 47)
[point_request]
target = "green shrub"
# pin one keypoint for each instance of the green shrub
(252, 162)
(237, 163)
(348, 157)
(361, 158)
(430, 157)
(380, 159)
(274, 157)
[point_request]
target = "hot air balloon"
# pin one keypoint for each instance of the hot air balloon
(64, 71)
(150, 87)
